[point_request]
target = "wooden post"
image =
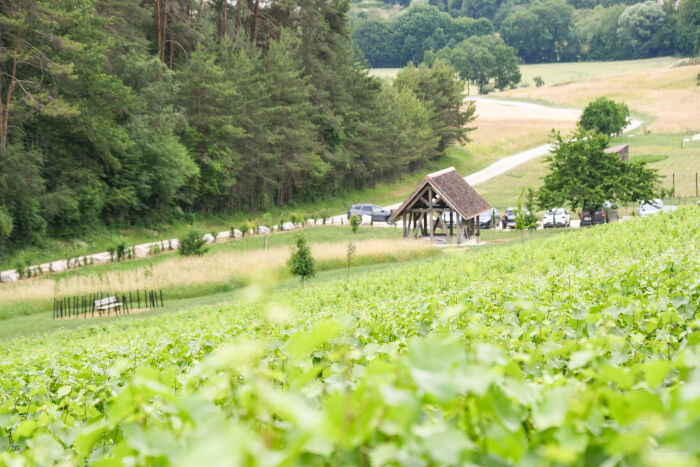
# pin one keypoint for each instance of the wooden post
(138, 298)
(674, 183)
(430, 213)
(451, 223)
(478, 229)
(161, 298)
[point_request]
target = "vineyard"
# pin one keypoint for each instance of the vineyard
(579, 349)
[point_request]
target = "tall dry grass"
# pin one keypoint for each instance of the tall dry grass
(190, 271)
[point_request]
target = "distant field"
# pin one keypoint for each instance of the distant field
(561, 73)
(669, 98)
(558, 73)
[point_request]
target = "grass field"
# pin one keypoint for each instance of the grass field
(225, 267)
(561, 73)
(668, 97)
(220, 275)
(555, 74)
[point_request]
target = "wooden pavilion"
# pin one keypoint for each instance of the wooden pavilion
(443, 201)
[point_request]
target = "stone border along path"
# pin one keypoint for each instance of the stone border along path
(497, 168)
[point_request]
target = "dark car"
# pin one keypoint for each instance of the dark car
(510, 217)
(489, 219)
(378, 213)
(603, 215)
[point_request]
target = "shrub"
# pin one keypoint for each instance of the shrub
(213, 234)
(355, 222)
(244, 229)
(301, 263)
(19, 267)
(538, 81)
(121, 251)
(192, 244)
(111, 250)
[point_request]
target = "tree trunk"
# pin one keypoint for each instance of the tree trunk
(164, 32)
(158, 28)
(255, 21)
(10, 90)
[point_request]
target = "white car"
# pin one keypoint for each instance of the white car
(654, 206)
(558, 217)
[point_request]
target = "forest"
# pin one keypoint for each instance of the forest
(539, 31)
(126, 112)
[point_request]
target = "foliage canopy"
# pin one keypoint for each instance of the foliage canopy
(582, 175)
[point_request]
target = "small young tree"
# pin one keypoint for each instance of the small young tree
(355, 222)
(301, 263)
(244, 229)
(192, 244)
(350, 254)
(538, 81)
(605, 116)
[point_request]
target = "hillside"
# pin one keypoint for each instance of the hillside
(578, 349)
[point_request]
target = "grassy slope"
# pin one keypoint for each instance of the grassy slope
(669, 97)
(29, 317)
(560, 73)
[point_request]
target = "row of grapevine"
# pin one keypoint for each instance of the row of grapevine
(578, 349)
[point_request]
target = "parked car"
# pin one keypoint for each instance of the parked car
(558, 217)
(654, 206)
(489, 218)
(603, 215)
(509, 218)
(378, 213)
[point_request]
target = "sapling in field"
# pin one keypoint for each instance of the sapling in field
(355, 222)
(301, 263)
(349, 255)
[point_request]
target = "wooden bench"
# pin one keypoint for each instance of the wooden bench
(108, 303)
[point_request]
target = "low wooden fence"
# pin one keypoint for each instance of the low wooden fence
(88, 306)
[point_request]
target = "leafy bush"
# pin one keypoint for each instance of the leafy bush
(120, 250)
(244, 229)
(538, 81)
(192, 244)
(355, 221)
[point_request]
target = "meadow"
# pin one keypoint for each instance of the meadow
(561, 73)
(227, 266)
(668, 99)
(578, 348)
